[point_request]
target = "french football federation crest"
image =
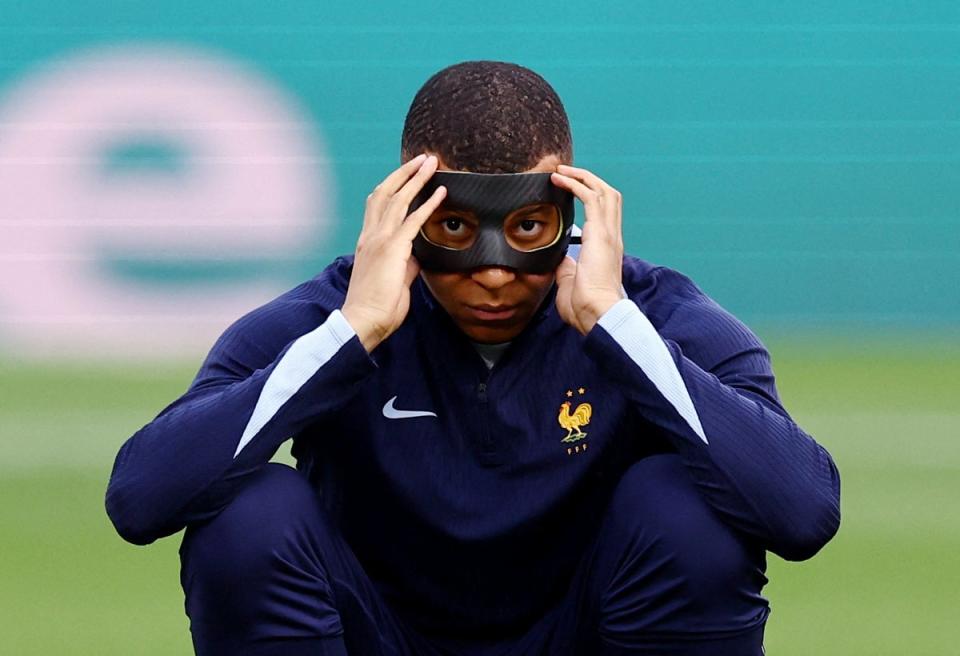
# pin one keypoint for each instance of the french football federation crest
(574, 421)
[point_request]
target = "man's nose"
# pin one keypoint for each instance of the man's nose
(493, 277)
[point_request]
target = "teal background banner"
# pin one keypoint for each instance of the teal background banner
(801, 161)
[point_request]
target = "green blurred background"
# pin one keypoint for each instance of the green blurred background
(801, 161)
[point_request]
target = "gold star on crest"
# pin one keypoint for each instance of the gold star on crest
(569, 392)
(582, 391)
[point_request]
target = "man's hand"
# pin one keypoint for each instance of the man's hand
(378, 297)
(588, 287)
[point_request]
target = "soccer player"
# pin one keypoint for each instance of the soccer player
(501, 449)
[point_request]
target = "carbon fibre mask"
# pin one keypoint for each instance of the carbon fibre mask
(491, 197)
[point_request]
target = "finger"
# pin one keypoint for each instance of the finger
(566, 272)
(619, 213)
(608, 195)
(399, 177)
(411, 225)
(384, 191)
(609, 214)
(580, 190)
(400, 202)
(589, 197)
(583, 175)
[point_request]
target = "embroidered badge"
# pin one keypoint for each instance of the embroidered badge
(573, 422)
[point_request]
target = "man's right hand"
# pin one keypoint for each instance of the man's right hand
(378, 296)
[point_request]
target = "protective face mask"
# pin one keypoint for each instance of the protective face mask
(516, 220)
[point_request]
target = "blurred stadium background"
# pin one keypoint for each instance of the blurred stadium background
(165, 167)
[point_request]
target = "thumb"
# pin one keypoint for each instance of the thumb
(566, 272)
(413, 268)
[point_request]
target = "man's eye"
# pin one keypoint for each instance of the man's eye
(528, 225)
(453, 224)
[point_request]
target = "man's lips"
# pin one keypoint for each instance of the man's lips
(487, 312)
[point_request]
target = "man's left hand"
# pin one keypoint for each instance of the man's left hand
(591, 285)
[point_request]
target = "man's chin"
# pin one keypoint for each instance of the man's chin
(492, 332)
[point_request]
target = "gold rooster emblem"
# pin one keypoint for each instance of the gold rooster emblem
(573, 422)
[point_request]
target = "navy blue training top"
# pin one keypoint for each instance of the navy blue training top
(469, 495)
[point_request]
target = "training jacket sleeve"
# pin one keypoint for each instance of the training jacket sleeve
(278, 369)
(705, 380)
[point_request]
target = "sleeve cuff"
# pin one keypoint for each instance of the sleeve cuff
(632, 331)
(302, 360)
(615, 317)
(340, 328)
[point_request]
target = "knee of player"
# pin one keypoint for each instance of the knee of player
(246, 535)
(657, 512)
(258, 563)
(665, 564)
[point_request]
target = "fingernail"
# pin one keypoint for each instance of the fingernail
(420, 157)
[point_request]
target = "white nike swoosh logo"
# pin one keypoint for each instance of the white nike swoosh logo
(392, 413)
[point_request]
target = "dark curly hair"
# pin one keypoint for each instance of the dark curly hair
(487, 117)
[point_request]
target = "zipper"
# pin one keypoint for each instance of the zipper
(486, 442)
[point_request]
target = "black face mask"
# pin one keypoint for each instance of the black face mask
(491, 198)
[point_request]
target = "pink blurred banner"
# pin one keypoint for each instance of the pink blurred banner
(249, 184)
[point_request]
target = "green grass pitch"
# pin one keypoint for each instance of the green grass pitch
(887, 585)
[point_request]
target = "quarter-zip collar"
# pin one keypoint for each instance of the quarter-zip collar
(434, 321)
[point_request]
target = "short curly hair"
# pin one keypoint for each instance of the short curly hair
(487, 117)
